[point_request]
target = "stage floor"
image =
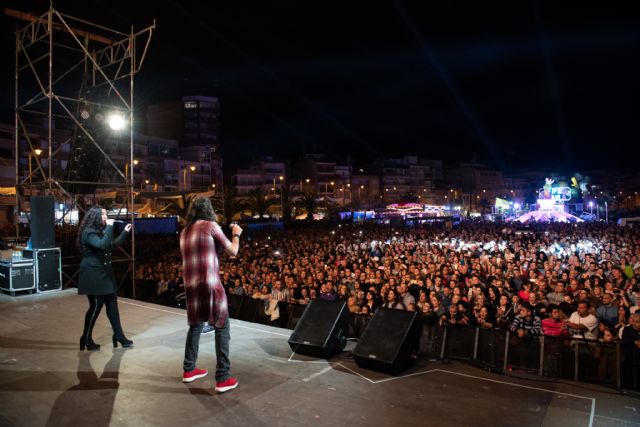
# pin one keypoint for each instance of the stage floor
(46, 381)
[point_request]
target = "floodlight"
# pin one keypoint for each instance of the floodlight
(116, 121)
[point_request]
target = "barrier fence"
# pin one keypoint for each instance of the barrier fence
(498, 350)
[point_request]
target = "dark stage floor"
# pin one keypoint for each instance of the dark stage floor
(46, 381)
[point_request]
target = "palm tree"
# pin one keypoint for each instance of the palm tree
(309, 202)
(259, 203)
(228, 205)
(286, 202)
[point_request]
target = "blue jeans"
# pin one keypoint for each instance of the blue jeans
(222, 349)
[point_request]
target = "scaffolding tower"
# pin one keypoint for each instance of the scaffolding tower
(72, 74)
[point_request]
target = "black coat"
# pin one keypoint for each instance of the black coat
(96, 273)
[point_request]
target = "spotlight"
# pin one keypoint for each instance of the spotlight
(116, 121)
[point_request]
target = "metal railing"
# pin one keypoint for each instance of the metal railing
(570, 358)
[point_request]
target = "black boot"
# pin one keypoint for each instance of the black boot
(114, 318)
(88, 344)
(86, 340)
(122, 340)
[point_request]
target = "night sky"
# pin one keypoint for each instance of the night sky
(514, 84)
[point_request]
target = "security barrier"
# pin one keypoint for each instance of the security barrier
(494, 349)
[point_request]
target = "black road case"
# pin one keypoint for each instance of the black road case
(17, 276)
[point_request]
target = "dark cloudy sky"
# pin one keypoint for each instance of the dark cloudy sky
(520, 83)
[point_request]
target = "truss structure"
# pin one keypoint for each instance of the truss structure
(69, 75)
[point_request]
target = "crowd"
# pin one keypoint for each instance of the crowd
(577, 280)
(553, 279)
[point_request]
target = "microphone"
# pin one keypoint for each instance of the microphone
(231, 224)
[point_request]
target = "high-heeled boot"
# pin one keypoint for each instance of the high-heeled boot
(122, 340)
(88, 344)
(86, 340)
(114, 318)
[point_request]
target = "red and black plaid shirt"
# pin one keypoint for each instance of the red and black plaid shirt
(206, 299)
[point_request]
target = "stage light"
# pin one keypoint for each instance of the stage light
(116, 121)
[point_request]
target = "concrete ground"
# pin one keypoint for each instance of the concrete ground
(46, 381)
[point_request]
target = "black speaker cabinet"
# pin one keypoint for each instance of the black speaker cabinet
(389, 344)
(48, 269)
(42, 221)
(321, 331)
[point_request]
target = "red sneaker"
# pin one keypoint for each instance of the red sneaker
(229, 384)
(187, 377)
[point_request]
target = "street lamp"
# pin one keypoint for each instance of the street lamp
(37, 152)
(326, 186)
(192, 168)
(126, 169)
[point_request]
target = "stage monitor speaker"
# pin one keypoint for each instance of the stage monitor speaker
(389, 343)
(42, 221)
(321, 330)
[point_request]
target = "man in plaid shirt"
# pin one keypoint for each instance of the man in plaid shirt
(205, 296)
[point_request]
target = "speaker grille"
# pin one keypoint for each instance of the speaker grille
(42, 220)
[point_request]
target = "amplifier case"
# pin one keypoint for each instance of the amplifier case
(17, 276)
(48, 269)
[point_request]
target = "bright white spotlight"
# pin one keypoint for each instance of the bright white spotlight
(116, 121)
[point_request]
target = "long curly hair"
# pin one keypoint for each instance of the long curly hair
(92, 219)
(200, 208)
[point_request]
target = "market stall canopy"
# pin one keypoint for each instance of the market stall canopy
(7, 191)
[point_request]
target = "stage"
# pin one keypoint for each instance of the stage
(46, 381)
